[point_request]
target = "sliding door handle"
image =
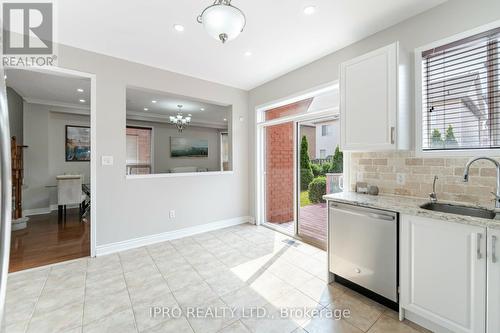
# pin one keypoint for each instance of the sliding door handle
(494, 249)
(393, 130)
(479, 255)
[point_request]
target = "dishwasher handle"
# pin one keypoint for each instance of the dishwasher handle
(377, 216)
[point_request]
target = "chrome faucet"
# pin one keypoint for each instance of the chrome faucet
(466, 177)
(433, 195)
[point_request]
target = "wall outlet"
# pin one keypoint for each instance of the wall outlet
(107, 160)
(171, 214)
(360, 177)
(401, 179)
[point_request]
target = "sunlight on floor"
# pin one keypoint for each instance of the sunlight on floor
(246, 269)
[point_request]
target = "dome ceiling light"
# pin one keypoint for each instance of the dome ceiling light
(222, 20)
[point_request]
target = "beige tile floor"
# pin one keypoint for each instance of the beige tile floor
(243, 268)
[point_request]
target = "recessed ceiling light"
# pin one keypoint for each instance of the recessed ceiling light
(153, 101)
(79, 90)
(5, 77)
(146, 109)
(225, 119)
(82, 101)
(248, 53)
(309, 10)
(202, 109)
(178, 27)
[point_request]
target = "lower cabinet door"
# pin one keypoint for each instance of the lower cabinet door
(493, 295)
(443, 273)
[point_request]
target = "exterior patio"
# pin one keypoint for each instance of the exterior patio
(312, 223)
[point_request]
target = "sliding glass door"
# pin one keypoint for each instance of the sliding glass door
(318, 174)
(299, 164)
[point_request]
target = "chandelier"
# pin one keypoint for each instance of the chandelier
(180, 121)
(222, 21)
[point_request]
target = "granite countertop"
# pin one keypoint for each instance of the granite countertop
(408, 206)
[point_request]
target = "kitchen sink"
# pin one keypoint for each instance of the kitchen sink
(459, 210)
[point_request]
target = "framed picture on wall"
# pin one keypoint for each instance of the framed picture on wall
(77, 143)
(188, 147)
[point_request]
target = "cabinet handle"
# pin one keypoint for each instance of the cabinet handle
(493, 249)
(478, 246)
(392, 134)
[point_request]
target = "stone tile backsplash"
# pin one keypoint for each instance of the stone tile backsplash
(382, 169)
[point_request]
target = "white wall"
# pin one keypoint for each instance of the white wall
(330, 141)
(162, 132)
(44, 159)
(450, 18)
(131, 208)
(15, 104)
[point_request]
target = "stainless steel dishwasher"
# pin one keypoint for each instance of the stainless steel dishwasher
(363, 250)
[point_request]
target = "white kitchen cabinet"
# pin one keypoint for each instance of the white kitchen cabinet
(374, 112)
(443, 273)
(493, 294)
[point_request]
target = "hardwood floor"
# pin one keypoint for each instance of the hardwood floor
(45, 241)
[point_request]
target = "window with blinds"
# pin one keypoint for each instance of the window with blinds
(461, 94)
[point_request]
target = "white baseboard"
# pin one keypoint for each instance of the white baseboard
(169, 235)
(36, 211)
(44, 210)
(425, 323)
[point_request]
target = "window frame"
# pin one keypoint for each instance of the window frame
(326, 130)
(419, 152)
(152, 162)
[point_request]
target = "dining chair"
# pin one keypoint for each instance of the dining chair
(69, 192)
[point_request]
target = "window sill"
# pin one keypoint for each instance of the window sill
(175, 175)
(458, 153)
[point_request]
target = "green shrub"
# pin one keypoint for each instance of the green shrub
(337, 161)
(317, 189)
(436, 139)
(306, 177)
(317, 170)
(325, 168)
(306, 174)
(449, 139)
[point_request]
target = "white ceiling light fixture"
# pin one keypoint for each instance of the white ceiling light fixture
(79, 90)
(309, 10)
(154, 101)
(222, 20)
(180, 121)
(202, 109)
(146, 109)
(82, 101)
(178, 27)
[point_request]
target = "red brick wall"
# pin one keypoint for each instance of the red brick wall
(288, 110)
(144, 143)
(279, 177)
(279, 163)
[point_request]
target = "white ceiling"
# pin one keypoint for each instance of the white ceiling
(279, 35)
(166, 105)
(44, 88)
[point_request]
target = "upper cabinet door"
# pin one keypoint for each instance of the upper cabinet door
(369, 101)
(493, 295)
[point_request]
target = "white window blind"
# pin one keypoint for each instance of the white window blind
(132, 149)
(460, 94)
